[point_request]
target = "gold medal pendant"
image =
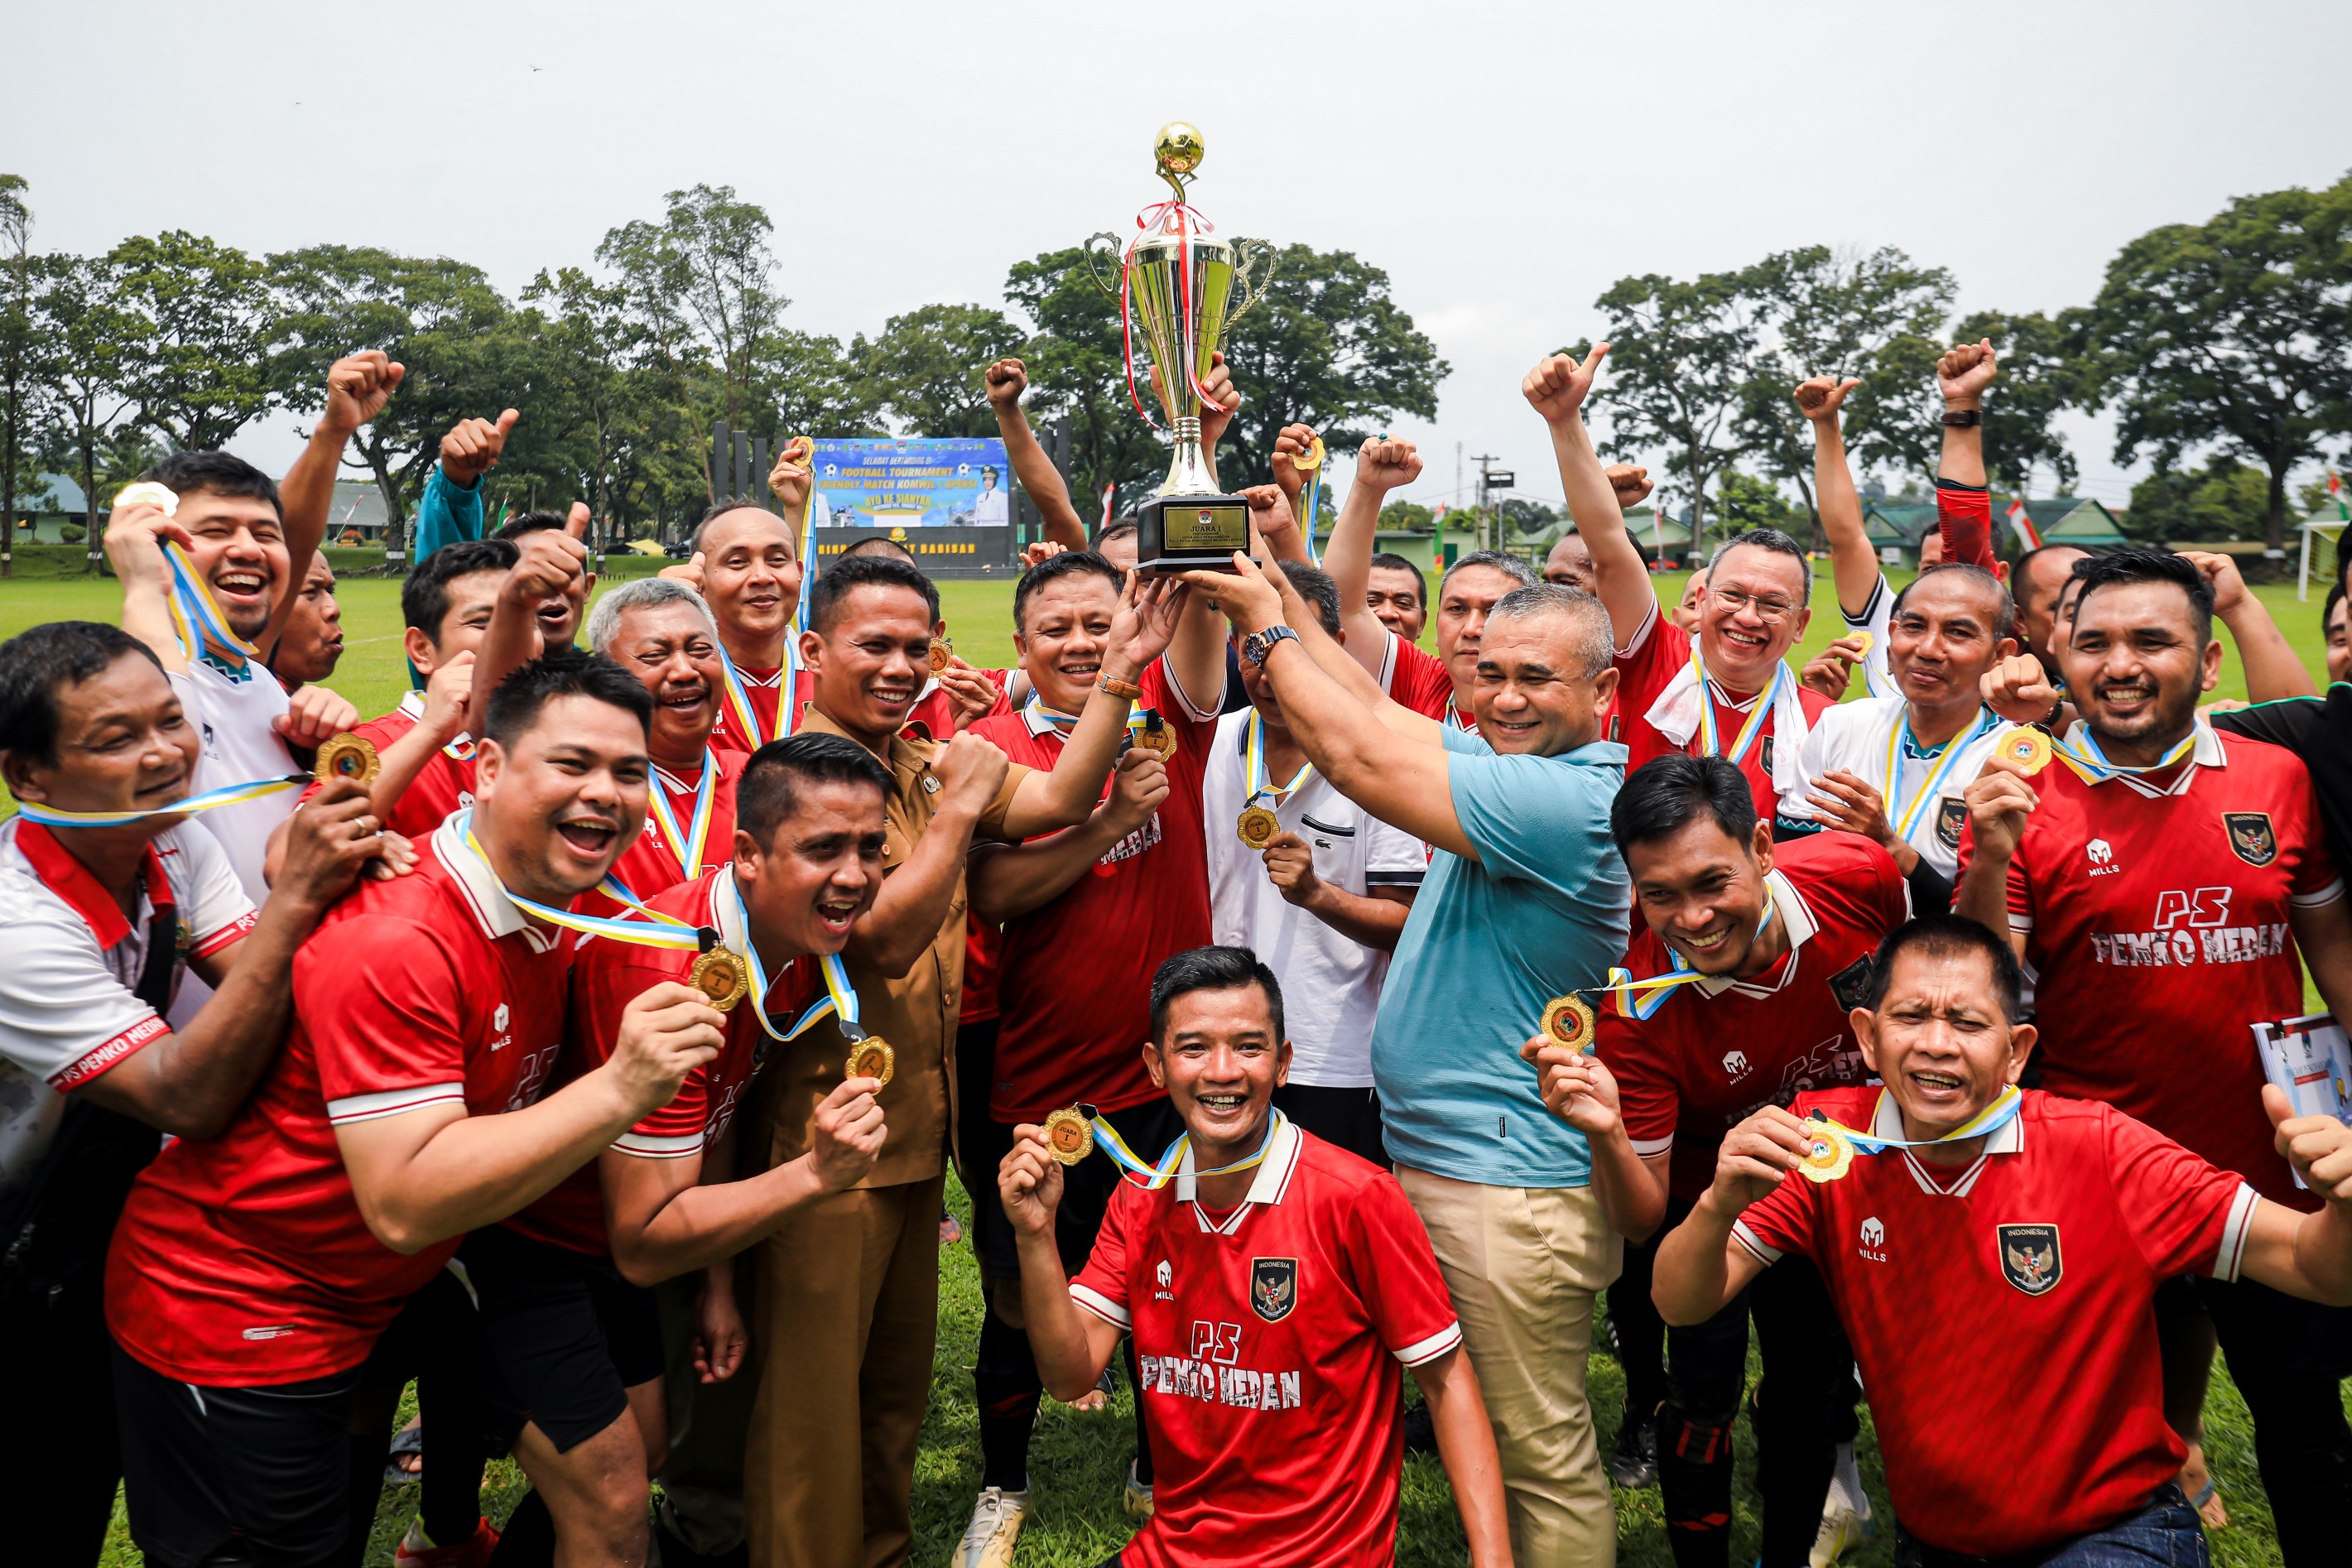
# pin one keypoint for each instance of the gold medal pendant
(942, 650)
(722, 977)
(1156, 736)
(1068, 1137)
(147, 492)
(2027, 749)
(1257, 828)
(1865, 639)
(871, 1057)
(1831, 1156)
(1570, 1021)
(352, 757)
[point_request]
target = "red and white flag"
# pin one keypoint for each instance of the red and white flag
(2022, 524)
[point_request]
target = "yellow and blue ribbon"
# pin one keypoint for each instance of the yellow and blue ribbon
(1999, 1113)
(1710, 738)
(836, 983)
(1253, 765)
(738, 696)
(687, 842)
(1904, 815)
(1152, 1177)
(1065, 722)
(196, 617)
(1641, 999)
(656, 930)
(2090, 763)
(211, 800)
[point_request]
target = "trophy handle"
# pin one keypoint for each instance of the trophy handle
(1109, 250)
(1253, 261)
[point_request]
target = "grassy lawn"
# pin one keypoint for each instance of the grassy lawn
(1079, 1459)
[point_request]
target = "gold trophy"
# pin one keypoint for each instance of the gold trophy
(1185, 289)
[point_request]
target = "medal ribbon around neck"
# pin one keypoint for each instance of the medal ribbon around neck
(1992, 1118)
(656, 930)
(1641, 998)
(1152, 1178)
(836, 984)
(195, 616)
(211, 800)
(687, 844)
(738, 696)
(1907, 815)
(1255, 781)
(1710, 738)
(2091, 765)
(1065, 722)
(1453, 717)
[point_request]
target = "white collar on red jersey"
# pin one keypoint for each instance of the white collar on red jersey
(1033, 719)
(2009, 1138)
(412, 703)
(494, 912)
(2206, 753)
(1272, 1179)
(1799, 921)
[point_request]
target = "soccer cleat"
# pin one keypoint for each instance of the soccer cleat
(995, 1526)
(1138, 1501)
(1632, 1464)
(473, 1553)
(1842, 1531)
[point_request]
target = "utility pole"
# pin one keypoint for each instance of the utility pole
(1487, 534)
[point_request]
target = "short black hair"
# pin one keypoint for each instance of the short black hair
(1068, 564)
(1770, 539)
(1117, 527)
(855, 572)
(1396, 562)
(764, 795)
(1943, 935)
(2016, 574)
(2004, 623)
(876, 543)
(1212, 969)
(530, 523)
(2328, 610)
(184, 473)
(1667, 793)
(1315, 586)
(520, 699)
(425, 593)
(37, 665)
(2138, 563)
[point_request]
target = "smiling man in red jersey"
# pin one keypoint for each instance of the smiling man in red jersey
(1995, 1254)
(252, 1272)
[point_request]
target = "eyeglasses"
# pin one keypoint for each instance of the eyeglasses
(1770, 610)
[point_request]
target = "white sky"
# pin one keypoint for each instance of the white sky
(1505, 163)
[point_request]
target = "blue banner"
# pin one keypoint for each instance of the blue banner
(917, 482)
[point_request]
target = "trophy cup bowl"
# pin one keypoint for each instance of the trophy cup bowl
(1183, 288)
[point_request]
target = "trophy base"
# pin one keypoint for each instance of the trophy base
(1190, 533)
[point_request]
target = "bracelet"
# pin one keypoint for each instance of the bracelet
(1116, 687)
(1963, 419)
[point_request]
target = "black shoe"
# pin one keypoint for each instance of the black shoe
(673, 1552)
(1633, 1462)
(1420, 1431)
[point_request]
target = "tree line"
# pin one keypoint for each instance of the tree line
(2229, 340)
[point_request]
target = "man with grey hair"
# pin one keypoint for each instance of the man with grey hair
(1724, 689)
(1524, 901)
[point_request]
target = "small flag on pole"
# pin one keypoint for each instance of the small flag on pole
(2335, 494)
(2022, 524)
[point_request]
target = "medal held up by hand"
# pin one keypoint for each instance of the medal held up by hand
(1156, 736)
(2027, 749)
(871, 1057)
(1830, 1154)
(348, 756)
(1570, 1021)
(1067, 1136)
(721, 977)
(942, 651)
(1257, 828)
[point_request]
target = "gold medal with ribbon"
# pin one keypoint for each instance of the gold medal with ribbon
(1829, 1156)
(942, 651)
(1069, 1137)
(722, 977)
(871, 1057)
(348, 756)
(1570, 1021)
(1258, 826)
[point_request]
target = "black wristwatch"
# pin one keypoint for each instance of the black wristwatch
(1963, 419)
(1258, 645)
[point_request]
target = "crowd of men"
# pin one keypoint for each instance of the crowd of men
(587, 1040)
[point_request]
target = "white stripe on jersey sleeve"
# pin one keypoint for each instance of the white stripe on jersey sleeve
(392, 1102)
(652, 1148)
(1100, 1305)
(1765, 1253)
(2326, 896)
(2230, 1255)
(1430, 1349)
(1651, 1148)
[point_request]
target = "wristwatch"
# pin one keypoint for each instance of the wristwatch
(1963, 419)
(1258, 645)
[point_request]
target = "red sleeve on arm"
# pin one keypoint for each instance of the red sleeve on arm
(2316, 871)
(1963, 517)
(606, 976)
(1643, 673)
(1783, 1218)
(1646, 1096)
(1397, 1277)
(383, 1005)
(1101, 1287)
(2187, 1217)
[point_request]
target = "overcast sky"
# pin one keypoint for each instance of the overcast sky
(1505, 163)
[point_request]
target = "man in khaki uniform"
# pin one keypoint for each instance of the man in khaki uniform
(846, 1294)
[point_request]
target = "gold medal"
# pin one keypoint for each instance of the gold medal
(1068, 1137)
(147, 492)
(346, 756)
(2027, 749)
(1156, 736)
(1309, 460)
(941, 651)
(722, 977)
(871, 1057)
(1864, 640)
(1257, 828)
(1831, 1156)
(1570, 1021)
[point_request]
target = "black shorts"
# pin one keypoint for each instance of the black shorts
(267, 1466)
(564, 1337)
(1086, 1188)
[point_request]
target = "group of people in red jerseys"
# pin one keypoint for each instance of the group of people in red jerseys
(594, 1059)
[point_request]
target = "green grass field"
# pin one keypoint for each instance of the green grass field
(1079, 1459)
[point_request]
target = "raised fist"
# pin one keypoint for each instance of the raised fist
(1294, 441)
(1556, 388)
(1821, 398)
(1632, 484)
(790, 479)
(1006, 380)
(1963, 374)
(358, 385)
(471, 447)
(1385, 465)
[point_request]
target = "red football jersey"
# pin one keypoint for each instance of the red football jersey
(765, 689)
(444, 785)
(1268, 1339)
(2155, 928)
(1074, 991)
(1660, 651)
(932, 717)
(242, 1260)
(1417, 680)
(1716, 1050)
(606, 976)
(983, 945)
(2000, 1312)
(651, 865)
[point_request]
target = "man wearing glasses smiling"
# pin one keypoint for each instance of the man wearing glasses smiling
(1733, 696)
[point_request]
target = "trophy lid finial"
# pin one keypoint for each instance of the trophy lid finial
(1177, 148)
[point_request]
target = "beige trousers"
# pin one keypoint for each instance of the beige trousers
(1525, 1264)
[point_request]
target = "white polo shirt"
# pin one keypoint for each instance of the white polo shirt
(1855, 736)
(233, 715)
(1330, 982)
(67, 1009)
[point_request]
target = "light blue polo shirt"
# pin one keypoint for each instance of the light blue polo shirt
(1541, 911)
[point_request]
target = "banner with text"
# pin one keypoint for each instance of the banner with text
(917, 482)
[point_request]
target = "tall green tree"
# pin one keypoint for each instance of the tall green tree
(198, 365)
(2235, 333)
(1678, 374)
(813, 386)
(924, 369)
(20, 345)
(2040, 377)
(88, 400)
(2223, 500)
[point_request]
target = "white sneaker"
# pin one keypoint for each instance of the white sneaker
(1843, 1529)
(995, 1526)
(1138, 1501)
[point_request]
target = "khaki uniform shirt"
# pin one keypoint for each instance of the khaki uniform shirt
(916, 1013)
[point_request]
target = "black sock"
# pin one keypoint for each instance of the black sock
(1006, 1384)
(1142, 1432)
(528, 1538)
(364, 1485)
